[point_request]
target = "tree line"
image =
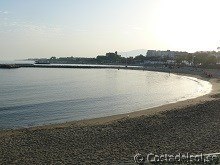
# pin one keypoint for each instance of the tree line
(193, 59)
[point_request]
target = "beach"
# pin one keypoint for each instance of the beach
(190, 126)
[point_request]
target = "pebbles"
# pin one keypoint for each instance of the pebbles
(192, 129)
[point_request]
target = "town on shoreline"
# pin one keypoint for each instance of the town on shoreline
(158, 57)
(152, 58)
(207, 59)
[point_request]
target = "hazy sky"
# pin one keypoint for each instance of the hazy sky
(45, 28)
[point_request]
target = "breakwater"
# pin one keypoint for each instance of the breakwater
(79, 66)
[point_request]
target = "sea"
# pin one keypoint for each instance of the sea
(41, 96)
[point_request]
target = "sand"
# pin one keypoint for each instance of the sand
(188, 126)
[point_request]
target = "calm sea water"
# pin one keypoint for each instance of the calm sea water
(38, 96)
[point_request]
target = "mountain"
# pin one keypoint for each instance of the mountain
(133, 53)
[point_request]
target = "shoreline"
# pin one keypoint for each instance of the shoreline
(189, 126)
(144, 111)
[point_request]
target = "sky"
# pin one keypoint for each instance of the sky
(87, 28)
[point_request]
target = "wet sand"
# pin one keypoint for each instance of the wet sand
(188, 126)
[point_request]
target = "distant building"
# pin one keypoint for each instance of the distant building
(167, 53)
(151, 53)
(109, 58)
(112, 54)
(160, 53)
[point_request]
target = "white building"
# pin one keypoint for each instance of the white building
(167, 53)
(160, 53)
